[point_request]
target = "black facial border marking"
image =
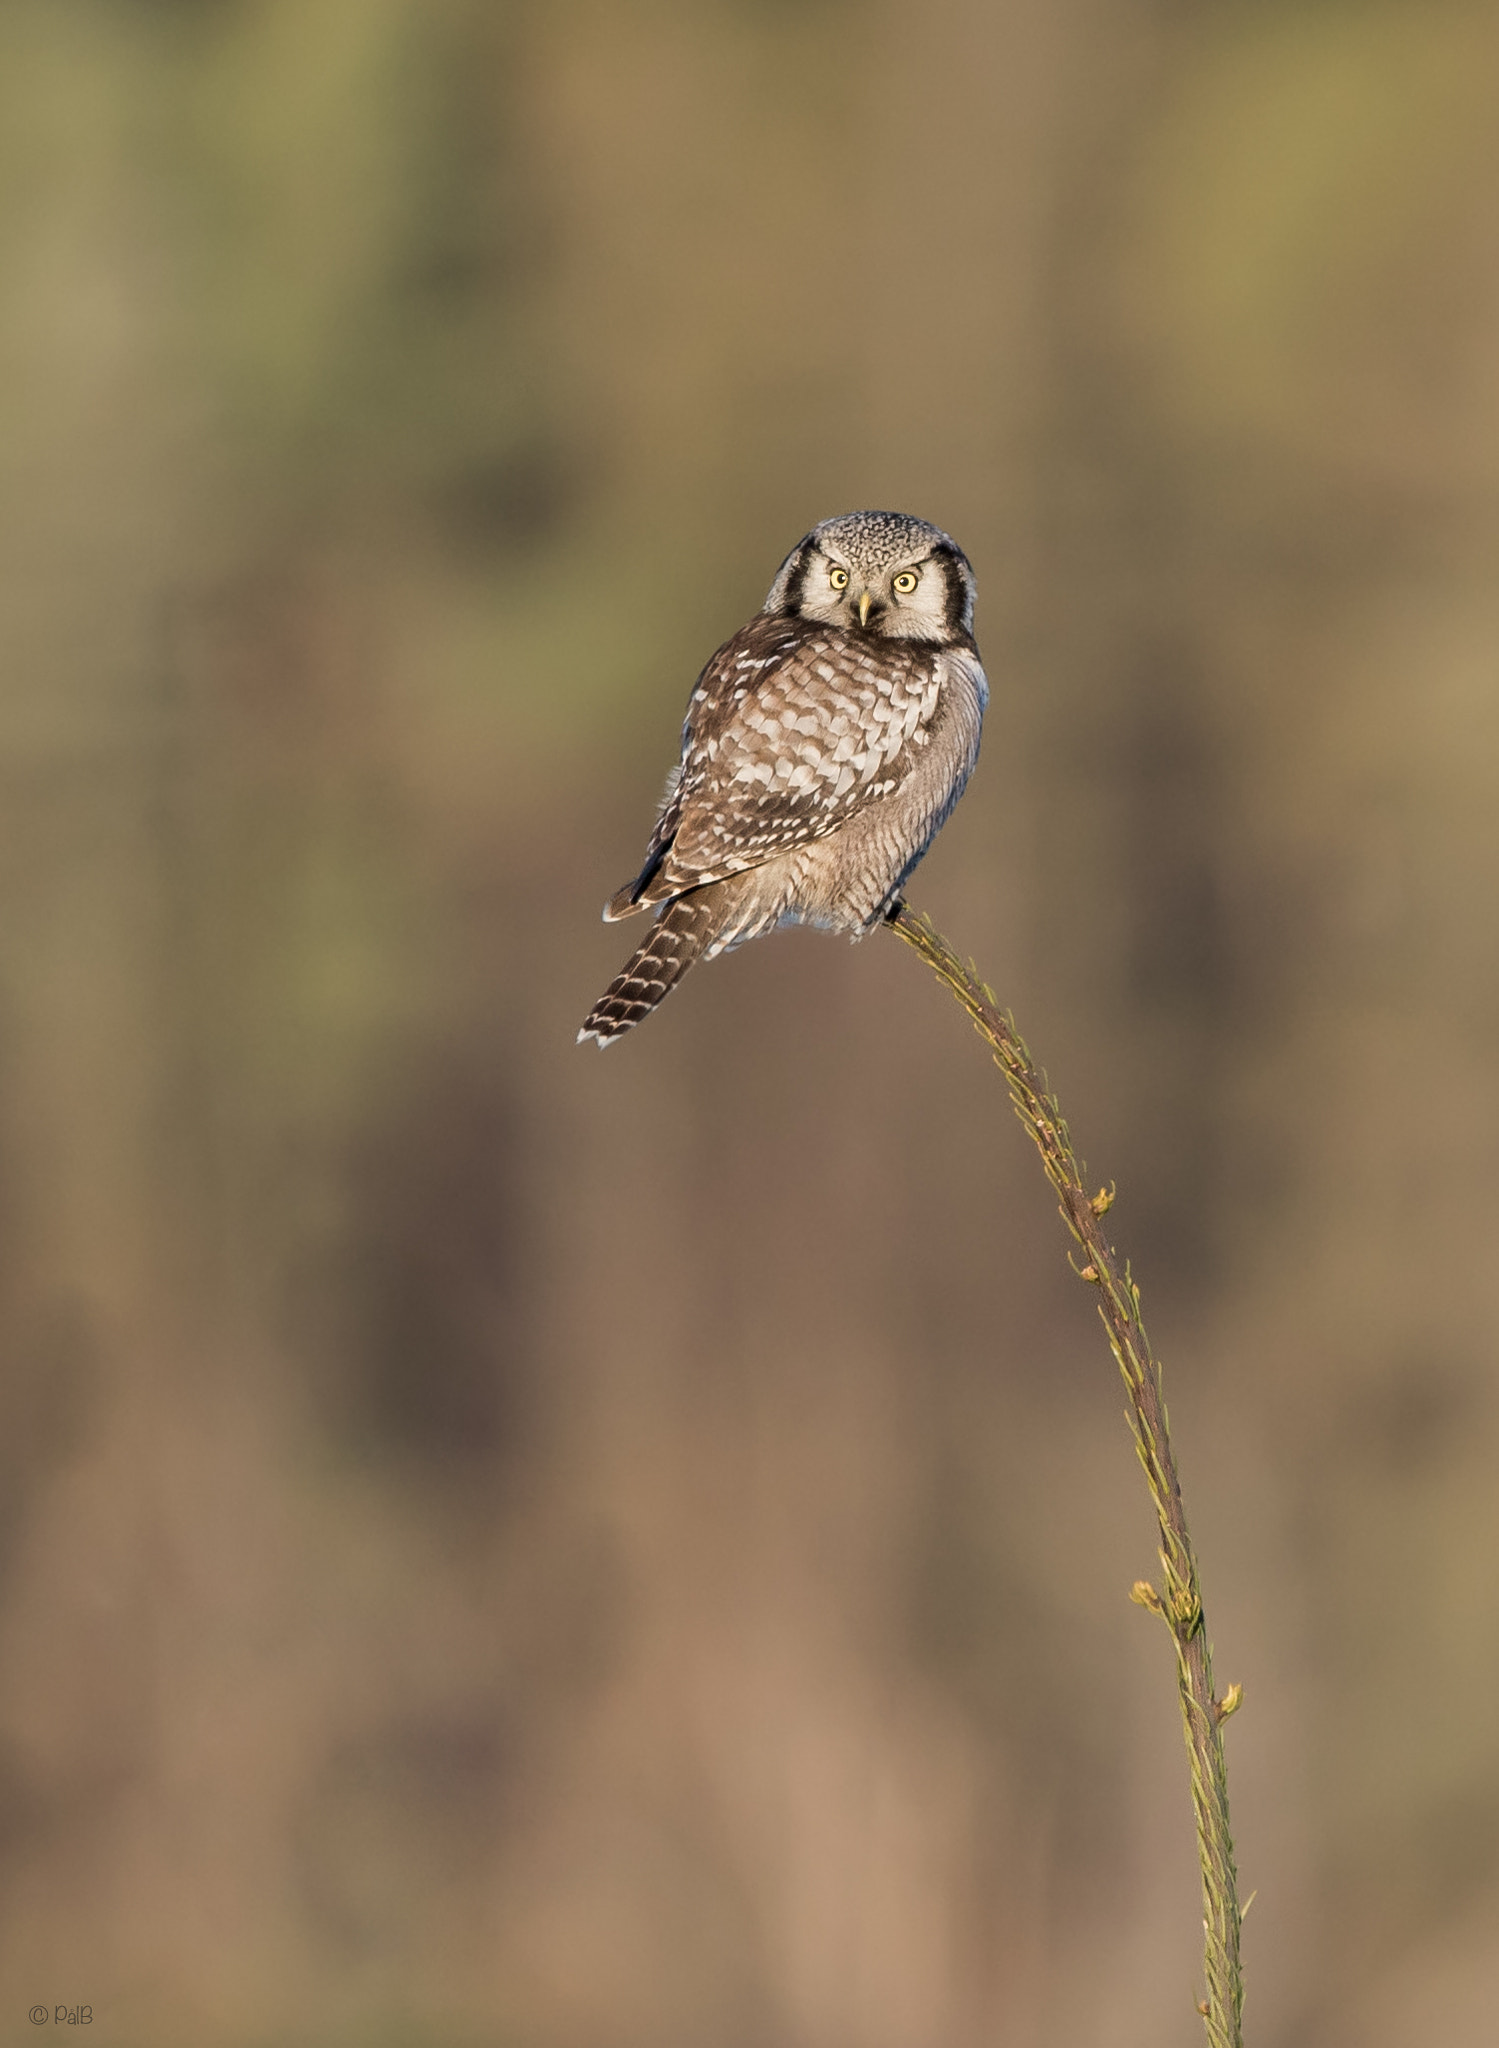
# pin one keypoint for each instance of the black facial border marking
(797, 586)
(954, 562)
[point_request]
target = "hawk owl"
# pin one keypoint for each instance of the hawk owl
(824, 746)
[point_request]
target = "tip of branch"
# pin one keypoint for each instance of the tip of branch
(1145, 1595)
(1103, 1201)
(1230, 1703)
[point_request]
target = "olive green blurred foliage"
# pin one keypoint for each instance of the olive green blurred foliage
(503, 1546)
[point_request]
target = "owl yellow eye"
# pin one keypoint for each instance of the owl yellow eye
(905, 582)
(838, 578)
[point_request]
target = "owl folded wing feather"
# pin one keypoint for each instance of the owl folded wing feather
(792, 729)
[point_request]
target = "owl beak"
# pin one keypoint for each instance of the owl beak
(864, 603)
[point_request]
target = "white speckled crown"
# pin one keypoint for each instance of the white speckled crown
(872, 540)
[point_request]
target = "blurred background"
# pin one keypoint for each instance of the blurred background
(509, 1547)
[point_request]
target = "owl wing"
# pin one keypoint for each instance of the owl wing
(793, 727)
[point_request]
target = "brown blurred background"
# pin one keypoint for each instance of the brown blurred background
(509, 1547)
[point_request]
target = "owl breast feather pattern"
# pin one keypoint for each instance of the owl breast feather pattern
(823, 747)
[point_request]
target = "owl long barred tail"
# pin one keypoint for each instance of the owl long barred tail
(823, 748)
(680, 935)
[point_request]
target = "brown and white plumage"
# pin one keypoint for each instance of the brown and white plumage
(824, 746)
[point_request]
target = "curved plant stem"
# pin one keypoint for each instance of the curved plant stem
(1178, 1602)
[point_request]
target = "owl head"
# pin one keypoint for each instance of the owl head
(878, 572)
